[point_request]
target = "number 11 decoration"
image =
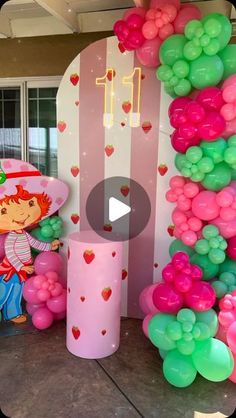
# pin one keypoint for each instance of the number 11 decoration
(134, 81)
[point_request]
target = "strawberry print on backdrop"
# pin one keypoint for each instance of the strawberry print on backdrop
(99, 153)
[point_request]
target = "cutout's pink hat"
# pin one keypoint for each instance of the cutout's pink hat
(16, 172)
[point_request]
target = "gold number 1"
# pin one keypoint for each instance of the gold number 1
(109, 96)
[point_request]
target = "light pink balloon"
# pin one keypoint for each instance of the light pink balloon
(186, 13)
(29, 292)
(157, 4)
(189, 238)
(42, 318)
(232, 377)
(32, 307)
(165, 31)
(59, 316)
(141, 11)
(204, 206)
(227, 229)
(221, 334)
(231, 337)
(145, 300)
(48, 261)
(148, 54)
(145, 324)
(149, 30)
(228, 112)
(230, 81)
(57, 304)
(191, 190)
(230, 128)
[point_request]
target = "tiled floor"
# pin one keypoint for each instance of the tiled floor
(39, 378)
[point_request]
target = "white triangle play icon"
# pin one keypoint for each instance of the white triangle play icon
(117, 209)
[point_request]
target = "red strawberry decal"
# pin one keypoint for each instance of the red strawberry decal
(77, 103)
(74, 170)
(103, 332)
(122, 124)
(68, 290)
(155, 265)
(89, 256)
(124, 274)
(74, 79)
(121, 47)
(68, 253)
(106, 293)
(111, 74)
(107, 227)
(109, 149)
(170, 230)
(82, 298)
(142, 76)
(61, 126)
(162, 169)
(113, 254)
(76, 332)
(126, 106)
(75, 218)
(124, 190)
(146, 127)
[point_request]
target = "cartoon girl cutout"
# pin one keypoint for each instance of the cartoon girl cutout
(20, 208)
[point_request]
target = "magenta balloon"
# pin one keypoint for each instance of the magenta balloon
(33, 307)
(227, 228)
(135, 10)
(186, 13)
(167, 299)
(121, 30)
(146, 301)
(212, 126)
(136, 39)
(211, 98)
(230, 128)
(178, 105)
(48, 261)
(231, 249)
(29, 292)
(59, 316)
(181, 144)
(204, 206)
(57, 304)
(145, 324)
(157, 4)
(148, 54)
(135, 21)
(42, 318)
(200, 297)
(183, 282)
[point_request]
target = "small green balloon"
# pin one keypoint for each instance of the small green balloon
(181, 68)
(220, 288)
(227, 266)
(206, 71)
(180, 161)
(171, 49)
(183, 88)
(186, 346)
(157, 331)
(193, 28)
(209, 269)
(232, 141)
(179, 369)
(47, 231)
(222, 29)
(177, 245)
(206, 165)
(210, 318)
(186, 315)
(174, 331)
(192, 51)
(213, 360)
(230, 155)
(213, 47)
(164, 73)
(194, 154)
(202, 247)
(197, 177)
(216, 256)
(210, 231)
(214, 149)
(228, 57)
(218, 178)
(204, 331)
(228, 278)
(212, 27)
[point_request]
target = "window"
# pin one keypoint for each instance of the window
(28, 122)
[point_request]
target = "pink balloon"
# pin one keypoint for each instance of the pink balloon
(148, 54)
(38, 281)
(145, 324)
(180, 260)
(230, 128)
(29, 292)
(181, 144)
(43, 295)
(232, 377)
(42, 318)
(231, 249)
(186, 13)
(57, 304)
(33, 307)
(136, 39)
(227, 228)
(201, 296)
(48, 261)
(211, 98)
(157, 4)
(194, 112)
(229, 94)
(227, 318)
(57, 291)
(167, 299)
(225, 198)
(228, 112)
(141, 11)
(121, 30)
(165, 31)
(183, 282)
(52, 276)
(189, 238)
(135, 21)
(59, 316)
(146, 301)
(221, 334)
(230, 81)
(178, 105)
(149, 30)
(212, 126)
(231, 337)
(204, 206)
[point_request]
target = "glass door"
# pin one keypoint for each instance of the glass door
(10, 122)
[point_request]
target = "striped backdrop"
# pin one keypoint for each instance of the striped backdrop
(143, 154)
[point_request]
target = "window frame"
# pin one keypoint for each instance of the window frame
(24, 83)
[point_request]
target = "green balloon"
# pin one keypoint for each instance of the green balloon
(37, 233)
(218, 25)
(186, 315)
(194, 154)
(183, 88)
(193, 28)
(220, 288)
(218, 178)
(206, 165)
(216, 256)
(230, 155)
(174, 331)
(179, 369)
(228, 278)
(227, 266)
(228, 57)
(191, 51)
(172, 49)
(213, 360)
(181, 68)
(214, 149)
(210, 231)
(47, 231)
(180, 160)
(186, 347)
(205, 71)
(209, 269)
(164, 73)
(177, 245)
(212, 48)
(157, 331)
(209, 318)
(204, 331)
(202, 247)
(163, 353)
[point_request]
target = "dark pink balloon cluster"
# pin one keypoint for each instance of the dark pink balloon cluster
(144, 30)
(182, 287)
(196, 120)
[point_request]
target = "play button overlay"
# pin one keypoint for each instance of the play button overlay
(118, 208)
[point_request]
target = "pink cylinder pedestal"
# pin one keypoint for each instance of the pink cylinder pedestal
(94, 295)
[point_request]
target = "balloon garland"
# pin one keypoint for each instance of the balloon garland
(192, 53)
